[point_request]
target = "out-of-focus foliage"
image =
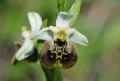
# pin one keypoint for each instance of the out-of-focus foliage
(98, 20)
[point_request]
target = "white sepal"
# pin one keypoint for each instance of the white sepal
(35, 21)
(25, 50)
(78, 38)
(63, 19)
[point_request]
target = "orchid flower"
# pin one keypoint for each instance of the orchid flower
(59, 52)
(30, 40)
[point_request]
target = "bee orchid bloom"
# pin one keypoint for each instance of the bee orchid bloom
(29, 36)
(61, 53)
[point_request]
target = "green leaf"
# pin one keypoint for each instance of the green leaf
(44, 24)
(61, 5)
(75, 9)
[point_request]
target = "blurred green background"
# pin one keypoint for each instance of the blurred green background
(99, 20)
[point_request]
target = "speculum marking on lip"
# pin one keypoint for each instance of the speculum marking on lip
(59, 52)
(59, 55)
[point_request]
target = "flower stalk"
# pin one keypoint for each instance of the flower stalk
(53, 74)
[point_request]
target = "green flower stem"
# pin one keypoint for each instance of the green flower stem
(61, 5)
(53, 74)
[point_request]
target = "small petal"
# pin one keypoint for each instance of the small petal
(35, 21)
(25, 50)
(78, 38)
(63, 19)
(44, 34)
(55, 29)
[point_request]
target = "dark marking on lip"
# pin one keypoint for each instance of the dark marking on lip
(49, 57)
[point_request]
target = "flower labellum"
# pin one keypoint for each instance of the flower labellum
(61, 55)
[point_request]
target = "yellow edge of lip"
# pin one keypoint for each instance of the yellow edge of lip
(57, 64)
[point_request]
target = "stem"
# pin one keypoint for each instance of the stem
(61, 5)
(53, 74)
